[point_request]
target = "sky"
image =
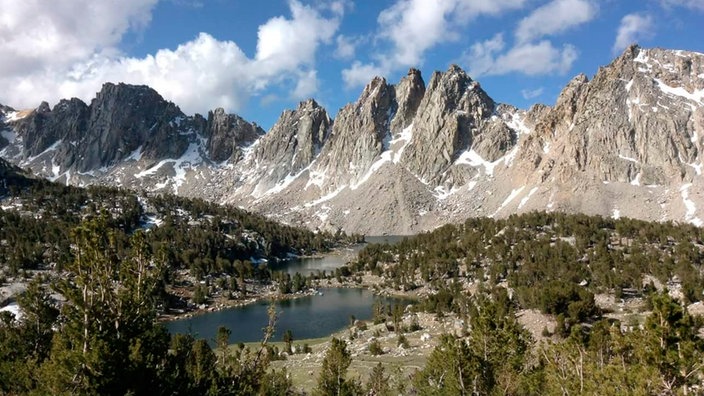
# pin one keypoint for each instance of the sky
(258, 58)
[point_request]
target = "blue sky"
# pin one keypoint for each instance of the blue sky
(257, 58)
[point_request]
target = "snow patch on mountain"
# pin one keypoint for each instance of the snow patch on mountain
(697, 96)
(630, 159)
(153, 169)
(441, 193)
(517, 123)
(13, 309)
(315, 177)
(405, 136)
(136, 155)
(636, 180)
(51, 148)
(325, 198)
(14, 116)
(697, 168)
(690, 206)
(192, 157)
(514, 194)
(525, 199)
(279, 186)
(473, 159)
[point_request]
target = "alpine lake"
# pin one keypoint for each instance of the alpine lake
(311, 316)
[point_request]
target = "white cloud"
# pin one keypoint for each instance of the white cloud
(468, 9)
(692, 4)
(289, 42)
(198, 75)
(531, 93)
(481, 56)
(530, 58)
(360, 74)
(633, 27)
(527, 55)
(412, 27)
(306, 85)
(337, 7)
(346, 47)
(35, 34)
(555, 17)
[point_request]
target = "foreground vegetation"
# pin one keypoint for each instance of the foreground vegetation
(208, 250)
(484, 271)
(111, 272)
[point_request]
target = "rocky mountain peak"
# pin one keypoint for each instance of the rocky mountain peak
(292, 144)
(411, 155)
(124, 118)
(453, 116)
(43, 108)
(359, 133)
(637, 121)
(227, 134)
(409, 93)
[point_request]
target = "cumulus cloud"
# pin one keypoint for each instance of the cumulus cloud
(555, 17)
(360, 73)
(529, 58)
(346, 47)
(468, 9)
(34, 35)
(633, 27)
(411, 27)
(198, 75)
(532, 54)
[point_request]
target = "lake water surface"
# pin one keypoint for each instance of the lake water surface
(306, 317)
(328, 263)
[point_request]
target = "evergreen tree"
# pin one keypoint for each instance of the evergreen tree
(378, 384)
(332, 380)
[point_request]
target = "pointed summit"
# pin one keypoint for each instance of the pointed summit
(295, 139)
(409, 93)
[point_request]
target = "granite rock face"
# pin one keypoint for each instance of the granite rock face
(454, 116)
(123, 122)
(296, 139)
(358, 135)
(639, 120)
(409, 93)
(403, 157)
(227, 134)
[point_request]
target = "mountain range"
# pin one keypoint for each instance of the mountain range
(403, 158)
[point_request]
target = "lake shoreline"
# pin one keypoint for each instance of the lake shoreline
(270, 292)
(312, 316)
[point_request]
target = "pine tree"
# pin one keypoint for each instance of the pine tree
(332, 379)
(378, 384)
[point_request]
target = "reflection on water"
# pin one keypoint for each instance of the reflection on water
(306, 317)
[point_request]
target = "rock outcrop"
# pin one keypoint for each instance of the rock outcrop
(638, 121)
(227, 134)
(402, 158)
(359, 135)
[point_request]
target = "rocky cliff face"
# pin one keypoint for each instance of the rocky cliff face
(79, 143)
(638, 121)
(455, 116)
(404, 157)
(359, 135)
(227, 134)
(295, 140)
